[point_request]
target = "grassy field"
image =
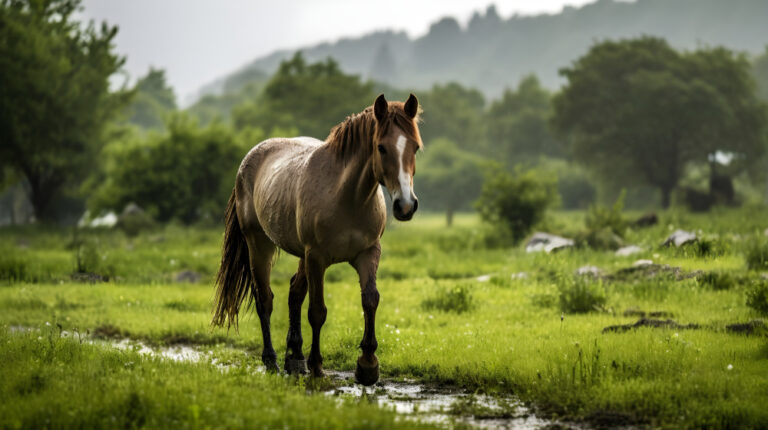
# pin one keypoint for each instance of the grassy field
(531, 327)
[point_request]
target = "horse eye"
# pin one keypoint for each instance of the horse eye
(382, 149)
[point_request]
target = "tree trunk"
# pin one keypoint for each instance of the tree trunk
(449, 217)
(666, 194)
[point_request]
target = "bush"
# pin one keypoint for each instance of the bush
(457, 299)
(581, 294)
(516, 203)
(757, 298)
(601, 217)
(757, 254)
(717, 280)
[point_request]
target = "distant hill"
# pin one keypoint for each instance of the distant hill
(492, 53)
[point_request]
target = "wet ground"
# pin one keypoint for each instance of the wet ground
(411, 399)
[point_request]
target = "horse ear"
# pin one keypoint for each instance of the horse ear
(411, 106)
(380, 108)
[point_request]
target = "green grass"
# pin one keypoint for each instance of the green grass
(508, 336)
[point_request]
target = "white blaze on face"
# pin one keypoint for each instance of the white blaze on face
(404, 193)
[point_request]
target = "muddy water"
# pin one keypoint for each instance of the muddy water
(409, 398)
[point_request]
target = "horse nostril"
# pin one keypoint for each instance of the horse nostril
(396, 206)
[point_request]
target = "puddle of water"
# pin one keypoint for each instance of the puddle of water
(411, 399)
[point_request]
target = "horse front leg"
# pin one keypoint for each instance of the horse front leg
(366, 264)
(315, 270)
(294, 357)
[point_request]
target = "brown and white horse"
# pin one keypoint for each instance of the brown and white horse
(321, 202)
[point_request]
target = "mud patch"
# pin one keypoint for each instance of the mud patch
(749, 328)
(647, 322)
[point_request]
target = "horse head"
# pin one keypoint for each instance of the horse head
(397, 139)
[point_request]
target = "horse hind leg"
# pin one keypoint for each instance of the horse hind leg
(294, 358)
(261, 250)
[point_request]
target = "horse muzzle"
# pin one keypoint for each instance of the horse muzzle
(403, 209)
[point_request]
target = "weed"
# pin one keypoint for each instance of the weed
(581, 294)
(457, 299)
(717, 280)
(757, 298)
(757, 254)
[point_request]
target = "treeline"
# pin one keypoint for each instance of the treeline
(634, 114)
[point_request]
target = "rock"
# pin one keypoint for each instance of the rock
(132, 209)
(629, 250)
(107, 220)
(647, 220)
(766, 232)
(189, 276)
(645, 322)
(642, 263)
(589, 271)
(483, 278)
(547, 242)
(680, 238)
(746, 328)
(519, 275)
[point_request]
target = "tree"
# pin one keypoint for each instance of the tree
(515, 203)
(639, 110)
(54, 96)
(760, 72)
(449, 178)
(455, 113)
(153, 101)
(310, 97)
(184, 174)
(518, 123)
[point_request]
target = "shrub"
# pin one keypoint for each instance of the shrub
(601, 218)
(717, 280)
(516, 203)
(12, 268)
(757, 254)
(757, 298)
(580, 294)
(457, 299)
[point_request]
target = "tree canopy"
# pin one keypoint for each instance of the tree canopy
(54, 96)
(152, 102)
(309, 97)
(639, 110)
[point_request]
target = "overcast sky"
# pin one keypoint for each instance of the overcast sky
(196, 41)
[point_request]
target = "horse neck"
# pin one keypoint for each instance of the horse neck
(352, 145)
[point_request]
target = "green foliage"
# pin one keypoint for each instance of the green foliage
(12, 267)
(153, 101)
(457, 299)
(581, 294)
(455, 113)
(54, 97)
(185, 174)
(639, 110)
(718, 280)
(757, 253)
(601, 218)
(310, 97)
(518, 124)
(757, 297)
(449, 178)
(516, 203)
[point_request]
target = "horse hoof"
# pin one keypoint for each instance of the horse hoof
(271, 366)
(367, 373)
(295, 367)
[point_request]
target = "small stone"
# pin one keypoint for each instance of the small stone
(589, 271)
(519, 275)
(629, 250)
(642, 263)
(483, 278)
(189, 276)
(680, 238)
(548, 243)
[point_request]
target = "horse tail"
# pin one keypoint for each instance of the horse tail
(234, 281)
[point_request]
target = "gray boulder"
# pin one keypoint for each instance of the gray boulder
(547, 242)
(680, 238)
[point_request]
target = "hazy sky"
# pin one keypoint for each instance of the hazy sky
(196, 41)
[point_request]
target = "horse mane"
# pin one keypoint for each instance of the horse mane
(348, 137)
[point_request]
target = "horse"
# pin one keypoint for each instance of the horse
(322, 202)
